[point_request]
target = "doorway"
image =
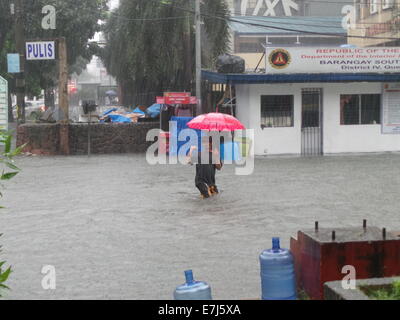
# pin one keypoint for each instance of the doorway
(311, 122)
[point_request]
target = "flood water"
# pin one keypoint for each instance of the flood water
(115, 227)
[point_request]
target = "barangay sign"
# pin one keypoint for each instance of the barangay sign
(332, 60)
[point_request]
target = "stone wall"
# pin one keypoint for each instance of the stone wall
(106, 138)
(42, 139)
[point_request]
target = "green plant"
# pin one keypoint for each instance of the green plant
(4, 274)
(7, 159)
(389, 293)
(129, 54)
(302, 295)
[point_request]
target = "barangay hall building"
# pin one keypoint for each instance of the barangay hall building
(321, 100)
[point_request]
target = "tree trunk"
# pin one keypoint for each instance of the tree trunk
(126, 94)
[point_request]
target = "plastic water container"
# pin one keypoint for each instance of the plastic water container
(192, 290)
(278, 281)
(230, 151)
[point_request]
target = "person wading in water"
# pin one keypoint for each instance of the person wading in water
(207, 162)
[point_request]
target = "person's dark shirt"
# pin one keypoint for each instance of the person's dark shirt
(205, 168)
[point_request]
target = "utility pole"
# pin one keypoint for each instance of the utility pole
(20, 46)
(63, 80)
(198, 57)
(188, 56)
(63, 95)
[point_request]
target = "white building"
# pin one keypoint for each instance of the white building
(316, 101)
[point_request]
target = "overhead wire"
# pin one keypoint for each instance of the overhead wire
(281, 28)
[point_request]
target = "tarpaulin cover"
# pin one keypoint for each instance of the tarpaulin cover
(117, 118)
(109, 111)
(137, 110)
(154, 110)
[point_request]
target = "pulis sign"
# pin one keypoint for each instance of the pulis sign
(41, 50)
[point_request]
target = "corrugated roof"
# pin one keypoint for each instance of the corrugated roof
(293, 25)
(257, 78)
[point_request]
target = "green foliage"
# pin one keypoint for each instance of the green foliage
(6, 41)
(390, 293)
(4, 274)
(302, 295)
(158, 55)
(77, 21)
(6, 158)
(5, 22)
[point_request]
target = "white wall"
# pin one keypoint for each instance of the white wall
(270, 140)
(353, 138)
(336, 138)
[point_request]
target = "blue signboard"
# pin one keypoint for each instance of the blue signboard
(13, 63)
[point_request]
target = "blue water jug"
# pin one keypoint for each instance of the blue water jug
(192, 290)
(278, 281)
(230, 151)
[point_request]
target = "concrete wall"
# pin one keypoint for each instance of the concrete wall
(336, 138)
(353, 138)
(364, 31)
(252, 60)
(55, 139)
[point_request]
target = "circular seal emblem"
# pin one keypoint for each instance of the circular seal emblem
(279, 58)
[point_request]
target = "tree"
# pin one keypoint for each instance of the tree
(150, 56)
(5, 22)
(77, 21)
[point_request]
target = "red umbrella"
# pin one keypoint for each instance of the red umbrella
(216, 122)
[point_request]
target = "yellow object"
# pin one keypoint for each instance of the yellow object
(244, 146)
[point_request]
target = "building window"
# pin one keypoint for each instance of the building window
(373, 6)
(360, 109)
(386, 4)
(277, 111)
(357, 5)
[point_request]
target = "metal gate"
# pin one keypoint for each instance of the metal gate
(311, 122)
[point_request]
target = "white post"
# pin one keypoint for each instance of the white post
(198, 57)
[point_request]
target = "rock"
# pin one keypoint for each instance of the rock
(228, 63)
